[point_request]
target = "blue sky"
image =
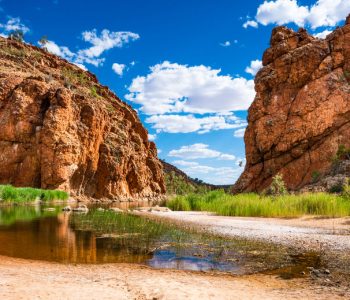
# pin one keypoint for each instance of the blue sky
(186, 66)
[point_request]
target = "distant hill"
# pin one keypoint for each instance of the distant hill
(173, 173)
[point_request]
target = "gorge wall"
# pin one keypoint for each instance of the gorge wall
(301, 112)
(61, 129)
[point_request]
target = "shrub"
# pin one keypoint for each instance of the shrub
(346, 189)
(277, 186)
(315, 176)
(17, 35)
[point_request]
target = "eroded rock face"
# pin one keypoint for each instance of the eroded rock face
(60, 129)
(301, 112)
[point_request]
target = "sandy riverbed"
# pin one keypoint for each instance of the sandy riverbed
(306, 233)
(26, 279)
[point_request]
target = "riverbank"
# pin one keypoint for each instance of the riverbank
(306, 233)
(28, 279)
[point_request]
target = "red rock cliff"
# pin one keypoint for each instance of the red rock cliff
(60, 129)
(301, 112)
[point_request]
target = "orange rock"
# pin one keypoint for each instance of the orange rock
(301, 112)
(60, 129)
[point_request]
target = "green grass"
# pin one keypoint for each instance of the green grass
(9, 194)
(254, 205)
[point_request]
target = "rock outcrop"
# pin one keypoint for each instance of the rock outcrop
(61, 129)
(301, 112)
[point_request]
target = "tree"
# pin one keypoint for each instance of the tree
(17, 35)
(43, 42)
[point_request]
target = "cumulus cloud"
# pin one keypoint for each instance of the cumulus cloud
(239, 133)
(322, 13)
(118, 68)
(13, 24)
(255, 66)
(171, 87)
(197, 151)
(190, 123)
(100, 43)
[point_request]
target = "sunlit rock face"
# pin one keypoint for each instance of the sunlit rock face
(61, 129)
(301, 112)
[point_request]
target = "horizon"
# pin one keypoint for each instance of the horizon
(191, 79)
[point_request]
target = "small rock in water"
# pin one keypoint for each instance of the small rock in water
(100, 209)
(116, 209)
(67, 208)
(81, 208)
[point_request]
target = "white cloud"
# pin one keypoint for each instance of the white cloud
(184, 163)
(322, 34)
(133, 63)
(118, 68)
(197, 151)
(61, 51)
(281, 12)
(100, 43)
(250, 23)
(226, 44)
(159, 151)
(227, 157)
(105, 41)
(239, 133)
(81, 66)
(13, 24)
(322, 13)
(190, 123)
(255, 66)
(152, 137)
(171, 87)
(219, 175)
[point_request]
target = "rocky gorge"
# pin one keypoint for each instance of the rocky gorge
(61, 129)
(301, 112)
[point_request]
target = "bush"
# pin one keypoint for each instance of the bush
(277, 186)
(315, 176)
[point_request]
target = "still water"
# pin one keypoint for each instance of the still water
(102, 236)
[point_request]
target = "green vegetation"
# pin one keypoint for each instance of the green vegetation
(178, 185)
(94, 92)
(17, 35)
(9, 194)
(277, 186)
(315, 176)
(12, 214)
(72, 77)
(254, 205)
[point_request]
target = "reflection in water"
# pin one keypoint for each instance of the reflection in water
(108, 237)
(52, 239)
(165, 259)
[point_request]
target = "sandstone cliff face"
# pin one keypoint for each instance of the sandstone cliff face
(60, 129)
(301, 112)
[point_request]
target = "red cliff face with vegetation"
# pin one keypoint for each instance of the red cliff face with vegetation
(301, 112)
(60, 129)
